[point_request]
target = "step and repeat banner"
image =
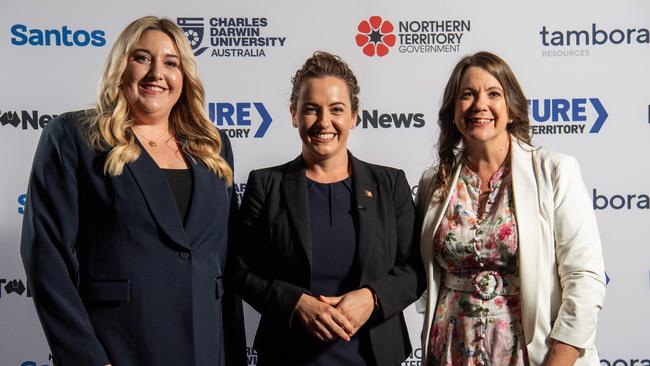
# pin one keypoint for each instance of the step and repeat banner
(582, 64)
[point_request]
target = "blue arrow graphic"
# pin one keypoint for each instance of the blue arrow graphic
(602, 115)
(266, 120)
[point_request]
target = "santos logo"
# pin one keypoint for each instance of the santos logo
(374, 119)
(22, 201)
(22, 36)
(238, 119)
(25, 119)
(567, 116)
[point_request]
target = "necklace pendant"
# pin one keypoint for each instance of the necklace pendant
(152, 143)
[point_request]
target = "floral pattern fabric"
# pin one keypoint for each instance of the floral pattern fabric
(468, 330)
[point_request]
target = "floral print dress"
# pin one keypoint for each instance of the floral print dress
(470, 328)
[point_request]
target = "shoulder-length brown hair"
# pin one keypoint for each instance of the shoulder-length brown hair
(450, 138)
(109, 127)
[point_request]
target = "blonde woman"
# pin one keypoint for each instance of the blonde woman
(125, 235)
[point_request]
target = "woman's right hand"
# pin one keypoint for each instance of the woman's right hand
(322, 320)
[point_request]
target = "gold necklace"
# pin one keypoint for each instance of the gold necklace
(150, 142)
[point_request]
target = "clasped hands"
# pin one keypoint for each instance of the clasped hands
(330, 317)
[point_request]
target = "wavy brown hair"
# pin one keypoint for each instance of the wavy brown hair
(322, 64)
(449, 146)
(109, 126)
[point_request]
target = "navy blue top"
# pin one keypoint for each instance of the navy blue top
(334, 247)
(180, 181)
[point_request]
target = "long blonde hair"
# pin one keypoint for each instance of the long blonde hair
(450, 138)
(109, 128)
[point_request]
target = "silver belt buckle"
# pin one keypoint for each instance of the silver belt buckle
(487, 284)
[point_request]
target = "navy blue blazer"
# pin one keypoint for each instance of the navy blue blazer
(274, 258)
(116, 275)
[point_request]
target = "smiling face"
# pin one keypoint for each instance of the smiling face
(481, 112)
(153, 79)
(324, 118)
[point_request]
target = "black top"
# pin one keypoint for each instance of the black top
(180, 181)
(334, 247)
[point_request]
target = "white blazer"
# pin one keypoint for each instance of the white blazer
(560, 258)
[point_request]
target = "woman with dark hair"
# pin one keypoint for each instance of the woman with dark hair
(327, 246)
(509, 239)
(125, 235)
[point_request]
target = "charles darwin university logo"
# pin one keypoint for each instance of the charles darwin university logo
(375, 36)
(193, 29)
(226, 37)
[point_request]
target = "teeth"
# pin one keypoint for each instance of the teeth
(152, 88)
(480, 120)
(324, 136)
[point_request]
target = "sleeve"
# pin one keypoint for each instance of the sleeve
(233, 313)
(579, 258)
(265, 294)
(405, 282)
(49, 236)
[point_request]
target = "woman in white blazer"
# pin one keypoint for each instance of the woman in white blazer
(553, 296)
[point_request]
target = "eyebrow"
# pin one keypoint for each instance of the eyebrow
(149, 52)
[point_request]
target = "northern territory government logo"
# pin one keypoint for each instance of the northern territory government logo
(230, 37)
(560, 116)
(376, 36)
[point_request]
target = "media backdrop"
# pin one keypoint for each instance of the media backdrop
(582, 64)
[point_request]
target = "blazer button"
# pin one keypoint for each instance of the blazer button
(185, 255)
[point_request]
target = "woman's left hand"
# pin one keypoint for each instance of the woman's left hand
(356, 306)
(562, 354)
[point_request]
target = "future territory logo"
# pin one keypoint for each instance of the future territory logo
(559, 116)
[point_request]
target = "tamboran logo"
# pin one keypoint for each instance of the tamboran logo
(621, 362)
(237, 119)
(15, 286)
(25, 119)
(374, 119)
(23, 36)
(376, 35)
(577, 42)
(230, 37)
(620, 201)
(566, 116)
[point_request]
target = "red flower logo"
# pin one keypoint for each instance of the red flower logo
(375, 36)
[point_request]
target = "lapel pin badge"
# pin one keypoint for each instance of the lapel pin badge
(368, 193)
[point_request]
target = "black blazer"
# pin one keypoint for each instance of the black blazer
(116, 275)
(274, 256)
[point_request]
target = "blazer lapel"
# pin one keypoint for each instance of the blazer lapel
(209, 197)
(294, 196)
(159, 197)
(526, 200)
(365, 196)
